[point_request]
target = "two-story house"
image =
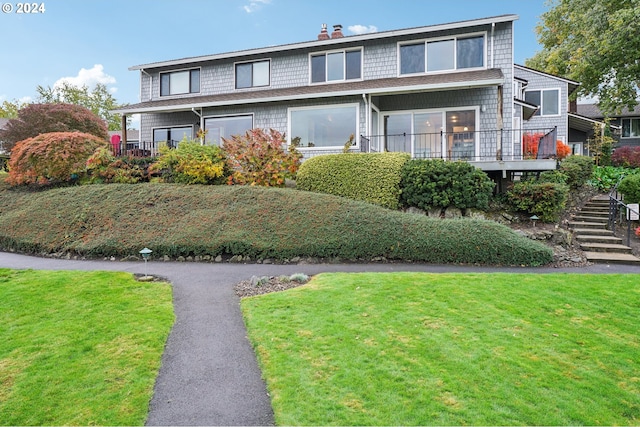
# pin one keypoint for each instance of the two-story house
(542, 102)
(440, 91)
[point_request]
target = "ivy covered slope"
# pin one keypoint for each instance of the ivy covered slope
(177, 220)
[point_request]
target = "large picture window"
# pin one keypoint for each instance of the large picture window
(252, 74)
(323, 127)
(547, 99)
(180, 82)
(456, 53)
(225, 127)
(336, 66)
(173, 135)
(631, 128)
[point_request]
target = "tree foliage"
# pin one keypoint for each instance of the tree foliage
(9, 109)
(35, 119)
(99, 100)
(596, 43)
(52, 158)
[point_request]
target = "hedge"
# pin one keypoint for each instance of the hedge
(543, 199)
(370, 177)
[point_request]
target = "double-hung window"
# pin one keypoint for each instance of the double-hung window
(631, 128)
(547, 99)
(252, 74)
(449, 54)
(336, 66)
(180, 82)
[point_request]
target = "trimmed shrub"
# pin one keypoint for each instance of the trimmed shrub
(543, 199)
(630, 188)
(370, 177)
(260, 158)
(628, 157)
(52, 158)
(192, 163)
(578, 170)
(261, 223)
(438, 184)
(555, 177)
(104, 168)
(35, 119)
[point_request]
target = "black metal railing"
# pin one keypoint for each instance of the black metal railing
(620, 213)
(141, 149)
(501, 144)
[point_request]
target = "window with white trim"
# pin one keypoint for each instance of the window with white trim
(180, 82)
(547, 99)
(455, 53)
(323, 127)
(336, 66)
(252, 74)
(172, 135)
(631, 128)
(225, 127)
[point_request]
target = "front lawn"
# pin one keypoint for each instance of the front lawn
(451, 349)
(79, 348)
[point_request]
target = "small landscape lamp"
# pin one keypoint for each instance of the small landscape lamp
(534, 218)
(146, 253)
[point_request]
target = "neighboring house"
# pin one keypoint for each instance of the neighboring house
(3, 123)
(542, 102)
(441, 91)
(628, 122)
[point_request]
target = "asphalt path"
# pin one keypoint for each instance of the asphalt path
(209, 374)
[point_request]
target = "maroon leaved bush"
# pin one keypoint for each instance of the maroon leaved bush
(626, 156)
(52, 157)
(35, 119)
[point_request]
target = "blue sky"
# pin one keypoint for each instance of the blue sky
(89, 41)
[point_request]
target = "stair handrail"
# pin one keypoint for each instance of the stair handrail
(614, 209)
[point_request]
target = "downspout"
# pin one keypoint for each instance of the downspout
(493, 53)
(366, 118)
(201, 123)
(150, 85)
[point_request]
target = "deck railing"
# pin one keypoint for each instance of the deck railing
(141, 149)
(502, 144)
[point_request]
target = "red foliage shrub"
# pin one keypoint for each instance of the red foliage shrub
(35, 119)
(52, 157)
(260, 158)
(626, 156)
(530, 142)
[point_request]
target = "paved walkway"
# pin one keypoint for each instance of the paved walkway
(209, 374)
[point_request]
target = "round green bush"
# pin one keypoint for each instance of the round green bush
(438, 184)
(630, 188)
(578, 170)
(543, 199)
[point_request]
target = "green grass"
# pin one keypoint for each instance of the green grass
(451, 349)
(79, 348)
(177, 220)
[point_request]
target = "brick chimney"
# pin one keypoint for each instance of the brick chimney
(337, 32)
(324, 35)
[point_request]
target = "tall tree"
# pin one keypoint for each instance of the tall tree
(99, 100)
(9, 109)
(597, 43)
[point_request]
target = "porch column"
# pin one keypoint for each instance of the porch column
(123, 141)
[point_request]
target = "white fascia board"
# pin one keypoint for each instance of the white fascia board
(542, 73)
(329, 42)
(377, 91)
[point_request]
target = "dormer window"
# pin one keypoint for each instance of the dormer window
(336, 66)
(448, 54)
(180, 82)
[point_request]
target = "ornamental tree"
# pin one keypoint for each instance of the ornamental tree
(36, 119)
(52, 157)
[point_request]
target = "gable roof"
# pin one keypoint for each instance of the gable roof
(477, 78)
(330, 42)
(573, 85)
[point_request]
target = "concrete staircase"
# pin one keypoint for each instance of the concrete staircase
(599, 244)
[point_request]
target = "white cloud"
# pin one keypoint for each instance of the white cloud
(88, 78)
(25, 100)
(255, 5)
(362, 29)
